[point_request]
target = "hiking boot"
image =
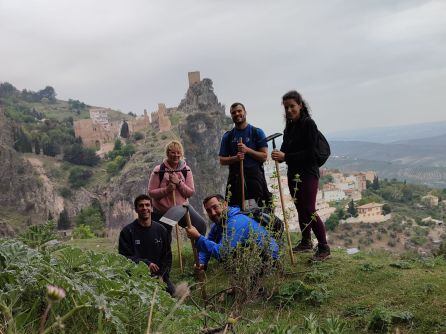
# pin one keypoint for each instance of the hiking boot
(322, 253)
(303, 246)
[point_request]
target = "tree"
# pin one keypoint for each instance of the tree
(79, 155)
(7, 89)
(125, 132)
(79, 177)
(22, 140)
(64, 221)
(341, 214)
(92, 217)
(128, 150)
(83, 232)
(375, 183)
(386, 209)
(48, 92)
(352, 209)
(332, 222)
(118, 145)
(36, 147)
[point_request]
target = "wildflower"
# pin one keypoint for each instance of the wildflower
(55, 293)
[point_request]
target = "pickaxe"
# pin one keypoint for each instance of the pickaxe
(285, 220)
(181, 215)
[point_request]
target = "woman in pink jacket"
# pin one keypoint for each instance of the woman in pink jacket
(171, 183)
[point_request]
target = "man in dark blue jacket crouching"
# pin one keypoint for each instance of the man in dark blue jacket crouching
(230, 228)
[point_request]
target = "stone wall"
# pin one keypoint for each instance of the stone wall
(194, 78)
(160, 119)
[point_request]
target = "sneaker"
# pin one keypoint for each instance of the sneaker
(303, 247)
(322, 253)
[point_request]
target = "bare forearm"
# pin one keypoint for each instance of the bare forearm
(257, 155)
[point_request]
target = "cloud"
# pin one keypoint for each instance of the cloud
(357, 63)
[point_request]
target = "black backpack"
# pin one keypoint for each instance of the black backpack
(322, 149)
(163, 170)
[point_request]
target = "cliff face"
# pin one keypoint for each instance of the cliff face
(200, 97)
(200, 132)
(21, 190)
(29, 188)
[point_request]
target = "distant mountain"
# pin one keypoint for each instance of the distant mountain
(415, 160)
(391, 133)
(415, 152)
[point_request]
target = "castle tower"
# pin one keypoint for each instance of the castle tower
(194, 77)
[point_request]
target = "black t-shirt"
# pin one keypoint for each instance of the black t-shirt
(146, 244)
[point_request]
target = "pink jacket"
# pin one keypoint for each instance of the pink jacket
(161, 198)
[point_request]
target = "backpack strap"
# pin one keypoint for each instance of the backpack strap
(184, 172)
(162, 170)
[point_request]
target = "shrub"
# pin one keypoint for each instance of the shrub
(138, 136)
(105, 293)
(65, 192)
(92, 217)
(79, 155)
(83, 232)
(79, 177)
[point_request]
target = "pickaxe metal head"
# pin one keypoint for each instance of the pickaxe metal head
(177, 215)
(173, 215)
(272, 137)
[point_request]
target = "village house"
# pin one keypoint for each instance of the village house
(430, 200)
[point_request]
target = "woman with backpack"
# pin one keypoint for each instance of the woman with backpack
(299, 151)
(171, 183)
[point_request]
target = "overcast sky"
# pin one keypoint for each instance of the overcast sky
(358, 63)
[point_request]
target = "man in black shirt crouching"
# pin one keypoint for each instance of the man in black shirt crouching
(147, 241)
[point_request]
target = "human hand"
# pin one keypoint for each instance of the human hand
(192, 233)
(200, 267)
(278, 156)
(240, 156)
(242, 147)
(174, 179)
(171, 187)
(153, 267)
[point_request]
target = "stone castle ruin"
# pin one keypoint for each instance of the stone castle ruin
(98, 131)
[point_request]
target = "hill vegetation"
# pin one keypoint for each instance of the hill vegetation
(408, 228)
(372, 292)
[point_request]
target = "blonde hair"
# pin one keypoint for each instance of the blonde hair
(175, 145)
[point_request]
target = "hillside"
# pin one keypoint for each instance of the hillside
(66, 178)
(369, 292)
(414, 225)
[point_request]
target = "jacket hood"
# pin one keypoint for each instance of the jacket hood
(181, 164)
(233, 210)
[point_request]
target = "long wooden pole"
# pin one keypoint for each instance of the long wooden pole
(197, 261)
(285, 220)
(242, 180)
(177, 231)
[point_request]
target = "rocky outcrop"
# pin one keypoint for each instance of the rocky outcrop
(200, 132)
(21, 190)
(200, 97)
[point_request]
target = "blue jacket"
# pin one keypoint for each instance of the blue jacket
(238, 229)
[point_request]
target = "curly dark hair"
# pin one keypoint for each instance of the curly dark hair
(296, 96)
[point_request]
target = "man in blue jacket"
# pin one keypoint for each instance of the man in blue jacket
(230, 228)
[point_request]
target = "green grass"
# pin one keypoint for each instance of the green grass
(96, 244)
(10, 217)
(351, 287)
